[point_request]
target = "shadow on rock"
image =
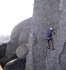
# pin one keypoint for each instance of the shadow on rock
(5, 60)
(16, 64)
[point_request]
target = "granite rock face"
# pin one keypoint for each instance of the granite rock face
(62, 35)
(48, 13)
(24, 36)
(20, 35)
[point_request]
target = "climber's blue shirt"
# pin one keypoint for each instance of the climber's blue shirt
(49, 35)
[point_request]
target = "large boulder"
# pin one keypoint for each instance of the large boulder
(22, 52)
(15, 64)
(19, 35)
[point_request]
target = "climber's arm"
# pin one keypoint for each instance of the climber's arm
(53, 33)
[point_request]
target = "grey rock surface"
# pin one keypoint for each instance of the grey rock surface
(15, 64)
(16, 38)
(24, 36)
(62, 57)
(62, 35)
(29, 61)
(46, 14)
(22, 51)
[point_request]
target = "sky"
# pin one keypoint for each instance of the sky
(12, 12)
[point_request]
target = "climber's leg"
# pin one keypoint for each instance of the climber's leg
(51, 44)
(47, 41)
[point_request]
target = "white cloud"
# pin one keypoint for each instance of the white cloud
(12, 12)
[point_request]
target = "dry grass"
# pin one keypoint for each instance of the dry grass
(1, 68)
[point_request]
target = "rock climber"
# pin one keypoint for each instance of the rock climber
(49, 39)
